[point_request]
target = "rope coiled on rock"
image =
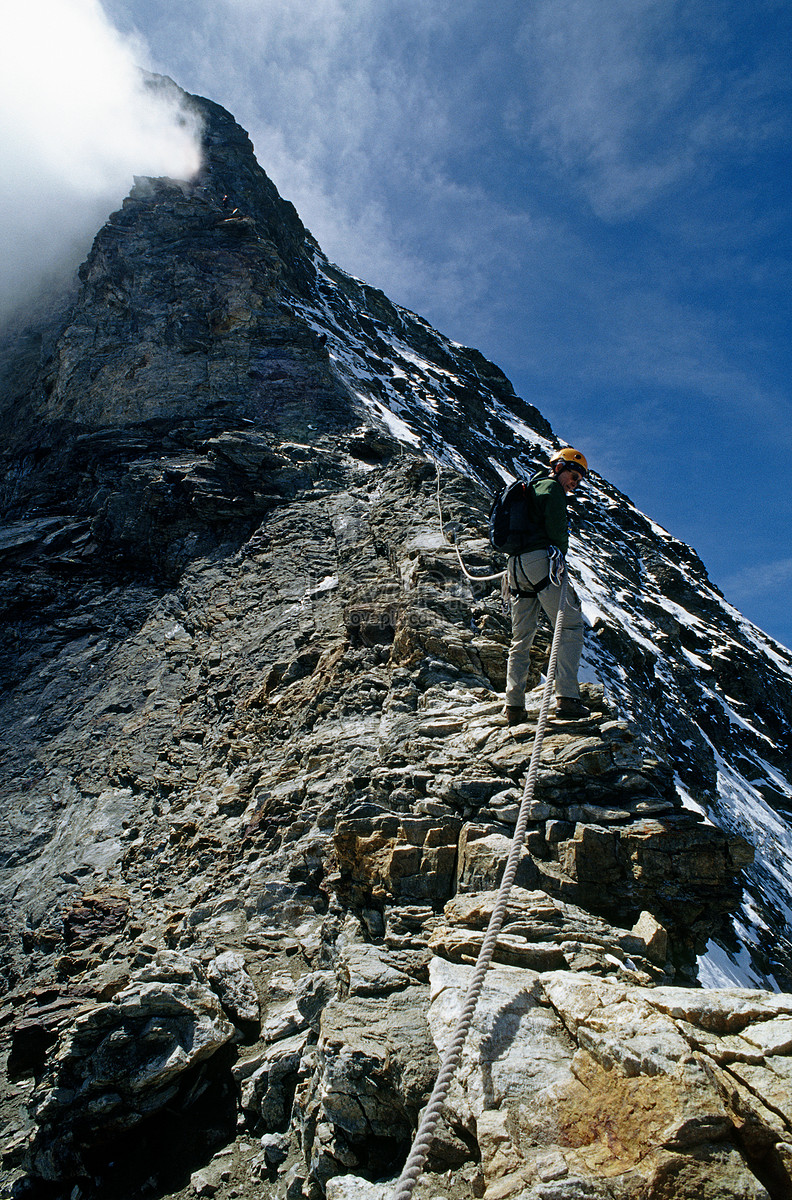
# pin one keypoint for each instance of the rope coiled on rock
(463, 568)
(423, 1138)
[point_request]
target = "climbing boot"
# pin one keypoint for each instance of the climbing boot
(515, 714)
(570, 706)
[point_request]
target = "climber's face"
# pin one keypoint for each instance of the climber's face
(568, 477)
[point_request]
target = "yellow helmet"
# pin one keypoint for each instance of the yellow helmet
(573, 458)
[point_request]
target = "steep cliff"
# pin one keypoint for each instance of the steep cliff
(257, 784)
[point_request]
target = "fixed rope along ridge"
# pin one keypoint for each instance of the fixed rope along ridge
(423, 1138)
(465, 572)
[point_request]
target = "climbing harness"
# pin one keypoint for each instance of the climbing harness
(527, 590)
(535, 589)
(423, 1138)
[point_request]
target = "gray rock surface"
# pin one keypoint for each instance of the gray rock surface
(235, 988)
(124, 1061)
(257, 784)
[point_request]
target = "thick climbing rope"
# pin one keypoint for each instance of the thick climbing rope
(423, 1138)
(465, 572)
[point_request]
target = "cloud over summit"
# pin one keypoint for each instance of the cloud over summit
(77, 122)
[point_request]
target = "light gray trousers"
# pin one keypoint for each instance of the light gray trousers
(525, 613)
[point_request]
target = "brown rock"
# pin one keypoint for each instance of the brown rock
(384, 857)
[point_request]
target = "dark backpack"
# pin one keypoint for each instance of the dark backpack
(514, 518)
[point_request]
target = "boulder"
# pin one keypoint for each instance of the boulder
(482, 861)
(124, 1061)
(236, 989)
(583, 1088)
(267, 1081)
(373, 1069)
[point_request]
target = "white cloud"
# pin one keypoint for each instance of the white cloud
(605, 96)
(634, 98)
(762, 579)
(76, 124)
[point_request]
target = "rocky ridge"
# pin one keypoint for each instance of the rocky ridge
(258, 785)
(281, 860)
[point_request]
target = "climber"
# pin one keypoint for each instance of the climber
(533, 582)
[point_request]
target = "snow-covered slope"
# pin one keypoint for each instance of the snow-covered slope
(706, 689)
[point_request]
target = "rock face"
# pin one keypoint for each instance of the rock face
(580, 1086)
(124, 1061)
(257, 785)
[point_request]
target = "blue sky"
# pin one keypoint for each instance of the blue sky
(595, 193)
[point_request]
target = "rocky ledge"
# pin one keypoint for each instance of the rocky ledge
(289, 1045)
(572, 1086)
(257, 819)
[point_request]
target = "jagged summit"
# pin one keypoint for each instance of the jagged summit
(257, 781)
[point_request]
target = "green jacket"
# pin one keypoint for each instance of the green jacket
(552, 510)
